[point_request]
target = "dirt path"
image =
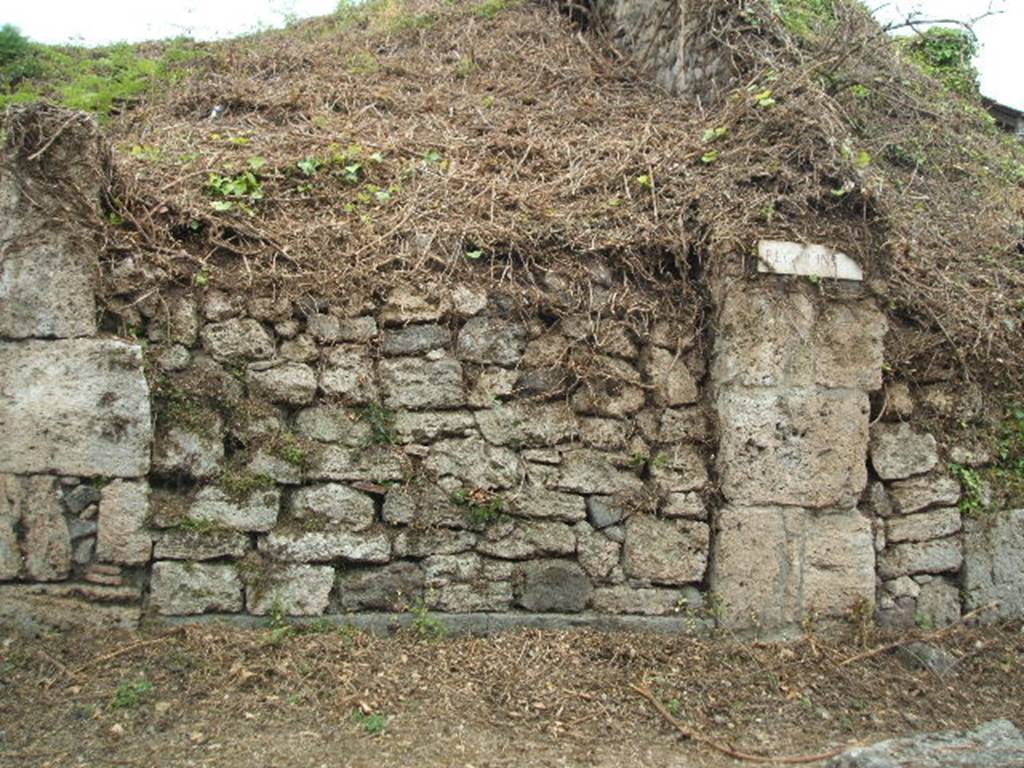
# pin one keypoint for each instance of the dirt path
(211, 696)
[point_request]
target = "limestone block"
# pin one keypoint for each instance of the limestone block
(197, 453)
(774, 338)
(689, 505)
(415, 340)
(237, 340)
(333, 424)
(679, 425)
(492, 385)
(898, 451)
(255, 511)
(475, 463)
(176, 320)
(540, 503)
(597, 554)
(77, 407)
(552, 586)
(185, 588)
(291, 590)
(468, 301)
(679, 469)
(525, 425)
(334, 504)
(411, 305)
(673, 383)
(348, 375)
(774, 566)
(800, 447)
(428, 426)
(530, 539)
(491, 341)
(332, 462)
(936, 524)
(301, 349)
(612, 388)
(270, 309)
(47, 270)
(68, 607)
(33, 505)
(666, 552)
(425, 542)
(592, 472)
(603, 434)
(917, 493)
(393, 587)
(938, 556)
(410, 382)
(200, 545)
(287, 383)
(324, 546)
(603, 511)
(938, 603)
(122, 537)
(994, 564)
(645, 601)
(487, 596)
(279, 470)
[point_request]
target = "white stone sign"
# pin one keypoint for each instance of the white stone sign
(780, 257)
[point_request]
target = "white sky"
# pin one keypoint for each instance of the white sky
(103, 21)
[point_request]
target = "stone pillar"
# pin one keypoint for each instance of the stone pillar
(791, 375)
(74, 408)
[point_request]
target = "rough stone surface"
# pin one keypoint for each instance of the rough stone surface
(672, 382)
(32, 504)
(665, 551)
(769, 338)
(794, 447)
(996, 744)
(80, 497)
(939, 556)
(923, 526)
(409, 382)
(237, 340)
(287, 383)
(200, 545)
(198, 454)
(410, 305)
(603, 511)
(324, 546)
(395, 587)
(427, 426)
(491, 341)
(613, 389)
(919, 493)
(541, 503)
(415, 340)
(532, 539)
(591, 472)
(898, 451)
(679, 469)
(348, 375)
(470, 598)
(334, 504)
(475, 463)
(597, 554)
(256, 511)
(77, 407)
(994, 564)
(773, 566)
(646, 601)
(523, 425)
(433, 541)
(552, 586)
(938, 603)
(68, 607)
(122, 537)
(333, 424)
(331, 462)
(689, 505)
(293, 590)
(185, 588)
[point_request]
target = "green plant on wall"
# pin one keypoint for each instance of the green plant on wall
(946, 54)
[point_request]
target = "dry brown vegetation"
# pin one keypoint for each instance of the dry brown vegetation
(412, 141)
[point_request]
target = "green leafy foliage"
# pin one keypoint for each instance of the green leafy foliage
(242, 190)
(805, 18)
(482, 507)
(130, 694)
(946, 54)
(373, 723)
(18, 57)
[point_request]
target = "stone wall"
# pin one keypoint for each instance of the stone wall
(442, 448)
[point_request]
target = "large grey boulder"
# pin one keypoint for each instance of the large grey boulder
(291, 590)
(491, 340)
(74, 407)
(994, 564)
(324, 546)
(898, 451)
(669, 552)
(333, 504)
(409, 382)
(394, 587)
(237, 340)
(996, 744)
